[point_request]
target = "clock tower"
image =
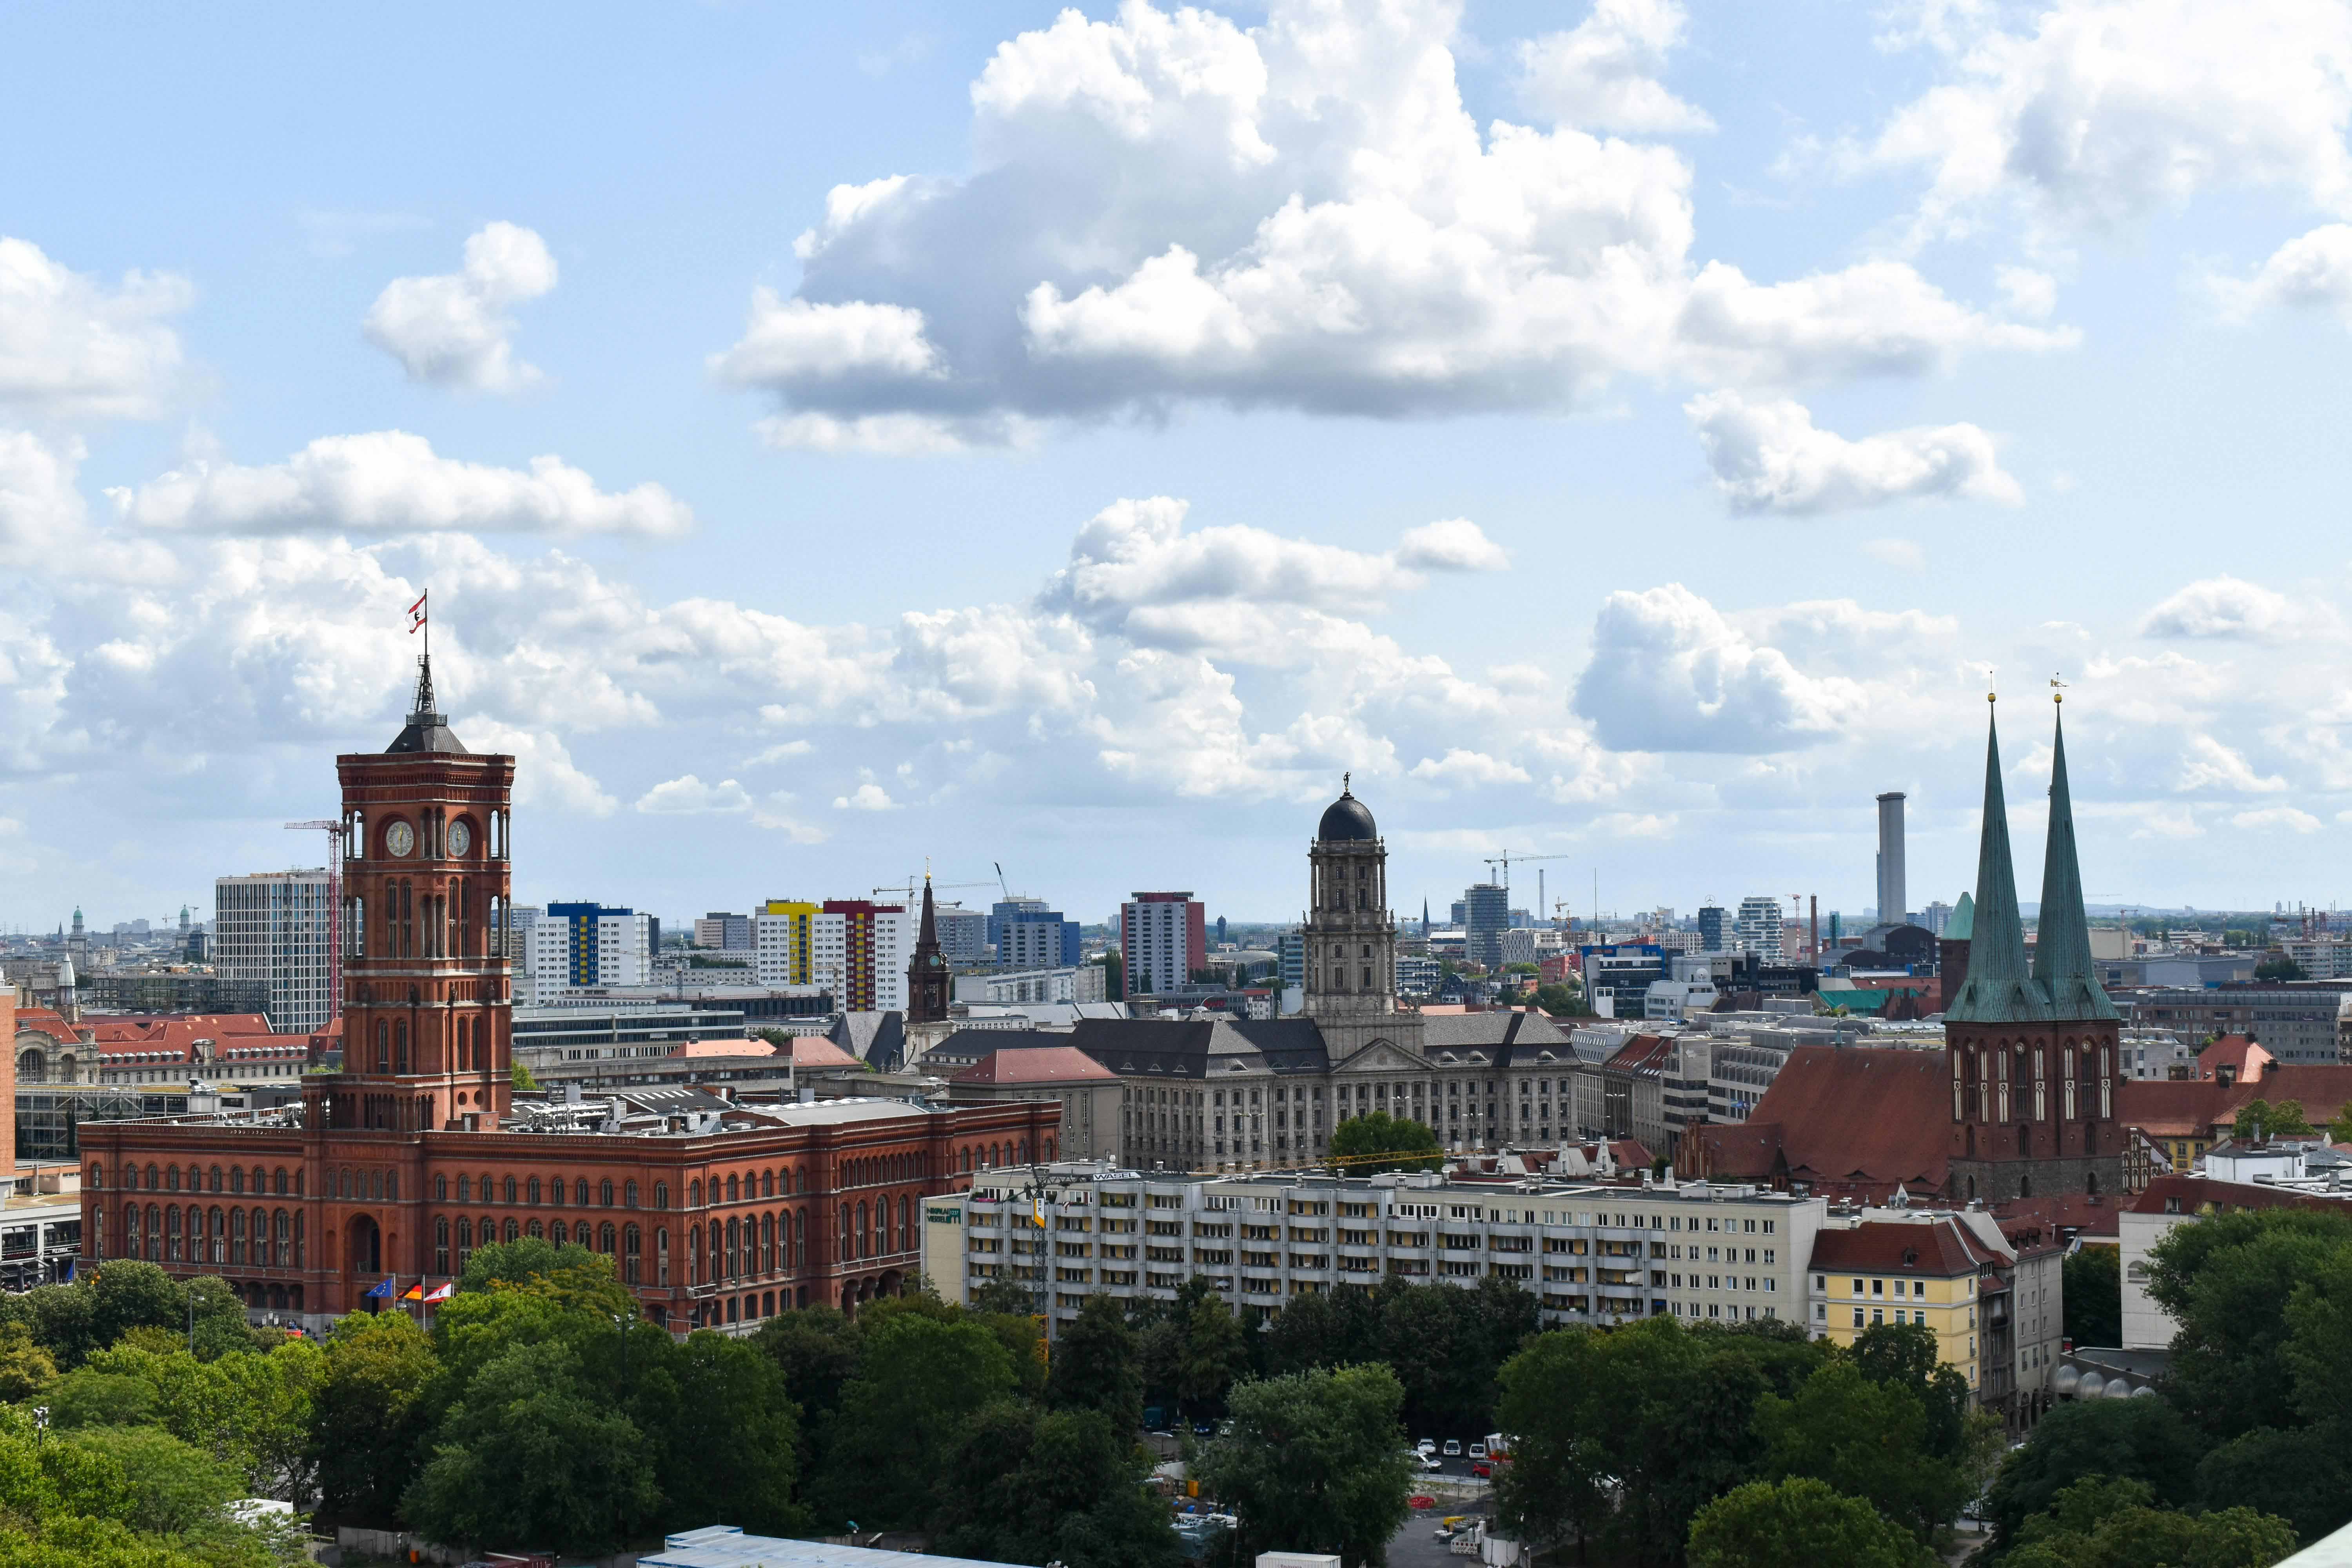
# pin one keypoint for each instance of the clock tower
(427, 1004)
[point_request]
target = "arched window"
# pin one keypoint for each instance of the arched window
(440, 1188)
(465, 1188)
(734, 1254)
(799, 1238)
(441, 1245)
(843, 1237)
(865, 1231)
(661, 1194)
(561, 1233)
(236, 1178)
(767, 1244)
(767, 1183)
(464, 1239)
(97, 1177)
(150, 1178)
(510, 1189)
(283, 1252)
(486, 1187)
(580, 1192)
(237, 1236)
(555, 1192)
(694, 1255)
(661, 1255)
(383, 1046)
(694, 1194)
(278, 1182)
(629, 1194)
(511, 1229)
(604, 1195)
(631, 1247)
(906, 1226)
(534, 1190)
(733, 1193)
(400, 1045)
(535, 1230)
(154, 1234)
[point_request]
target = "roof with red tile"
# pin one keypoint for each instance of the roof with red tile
(48, 1021)
(1036, 1064)
(1646, 1054)
(1936, 1248)
(1861, 1119)
(2233, 1051)
(2190, 1108)
(812, 1052)
(172, 1036)
(2190, 1195)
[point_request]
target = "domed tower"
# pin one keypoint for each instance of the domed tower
(427, 1005)
(1350, 938)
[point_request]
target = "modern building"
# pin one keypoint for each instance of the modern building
(2301, 1025)
(1589, 1252)
(1418, 976)
(720, 931)
(717, 1214)
(578, 946)
(1011, 988)
(1617, 976)
(1004, 909)
(1892, 910)
(1485, 916)
(861, 953)
(1758, 928)
(1713, 929)
(1163, 937)
(1036, 938)
(963, 934)
(169, 991)
(274, 927)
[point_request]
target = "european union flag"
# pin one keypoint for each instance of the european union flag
(385, 1288)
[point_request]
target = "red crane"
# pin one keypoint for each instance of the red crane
(334, 831)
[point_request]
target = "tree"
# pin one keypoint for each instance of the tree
(170, 1487)
(2093, 1289)
(1096, 1366)
(918, 1379)
(2102, 1522)
(1029, 1485)
(1865, 1438)
(1314, 1462)
(2143, 1440)
(1214, 1353)
(1797, 1523)
(2259, 1119)
(1003, 1295)
(368, 1416)
(724, 1430)
(518, 1076)
(572, 1276)
(2226, 1281)
(1377, 1141)
(2301, 1477)
(25, 1368)
(1908, 1353)
(1557, 1485)
(527, 1456)
(815, 1348)
(1562, 1000)
(2280, 968)
(2340, 1129)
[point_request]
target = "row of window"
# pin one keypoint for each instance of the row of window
(168, 1178)
(169, 1234)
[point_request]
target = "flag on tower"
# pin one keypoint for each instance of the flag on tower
(416, 614)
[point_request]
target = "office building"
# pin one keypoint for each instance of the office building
(1486, 917)
(1006, 909)
(574, 946)
(1010, 987)
(1035, 938)
(720, 931)
(1162, 939)
(1891, 892)
(2306, 1024)
(273, 927)
(1757, 929)
(963, 934)
(1713, 930)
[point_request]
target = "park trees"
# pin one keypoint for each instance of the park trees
(1800, 1522)
(1315, 1462)
(1377, 1142)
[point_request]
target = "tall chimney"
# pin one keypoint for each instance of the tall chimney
(1892, 908)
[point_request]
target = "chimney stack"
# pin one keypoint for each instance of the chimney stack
(1893, 908)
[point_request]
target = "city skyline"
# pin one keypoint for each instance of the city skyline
(1628, 433)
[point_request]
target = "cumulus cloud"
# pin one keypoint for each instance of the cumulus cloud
(2099, 112)
(2276, 819)
(545, 774)
(1468, 770)
(1671, 673)
(1603, 72)
(451, 329)
(867, 797)
(2311, 271)
(1771, 457)
(2227, 607)
(1170, 208)
(73, 349)
(390, 481)
(2210, 767)
(688, 796)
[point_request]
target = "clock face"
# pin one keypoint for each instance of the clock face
(461, 838)
(399, 839)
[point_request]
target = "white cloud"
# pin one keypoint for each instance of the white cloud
(1670, 673)
(1603, 72)
(2311, 271)
(451, 329)
(689, 797)
(2227, 607)
(545, 774)
(73, 349)
(867, 797)
(1463, 769)
(390, 481)
(1905, 554)
(1771, 457)
(785, 752)
(1454, 544)
(1169, 209)
(2273, 818)
(2207, 767)
(2098, 113)
(40, 508)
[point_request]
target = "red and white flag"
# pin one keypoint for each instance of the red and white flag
(440, 1292)
(416, 615)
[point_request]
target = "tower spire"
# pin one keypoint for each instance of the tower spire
(2062, 954)
(1998, 989)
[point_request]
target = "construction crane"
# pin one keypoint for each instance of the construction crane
(334, 832)
(1503, 860)
(936, 887)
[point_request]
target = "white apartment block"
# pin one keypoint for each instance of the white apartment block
(1589, 1252)
(576, 947)
(1086, 983)
(1758, 927)
(273, 927)
(1156, 939)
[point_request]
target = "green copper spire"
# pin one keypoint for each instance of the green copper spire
(2062, 954)
(1963, 923)
(1998, 989)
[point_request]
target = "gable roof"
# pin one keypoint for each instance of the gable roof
(176, 1035)
(1037, 1064)
(1862, 1118)
(1935, 1249)
(2189, 1108)
(813, 1052)
(1202, 1048)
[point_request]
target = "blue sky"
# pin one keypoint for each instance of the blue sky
(837, 440)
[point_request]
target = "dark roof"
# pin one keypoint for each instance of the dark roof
(1196, 1047)
(1938, 1247)
(878, 1039)
(1346, 819)
(1508, 1038)
(2188, 1195)
(1999, 988)
(426, 730)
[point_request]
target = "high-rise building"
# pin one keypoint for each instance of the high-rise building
(720, 931)
(1037, 939)
(784, 942)
(855, 949)
(998, 912)
(1758, 927)
(963, 934)
(1163, 937)
(1713, 930)
(1892, 910)
(576, 945)
(273, 927)
(1457, 914)
(1485, 916)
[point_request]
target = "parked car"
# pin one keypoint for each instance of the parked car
(1482, 1469)
(1478, 1450)
(1454, 1448)
(1204, 1428)
(1426, 1446)
(1432, 1462)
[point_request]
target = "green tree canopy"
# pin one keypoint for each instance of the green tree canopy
(2258, 1119)
(2143, 1440)
(369, 1417)
(918, 1379)
(1023, 1485)
(1798, 1523)
(1097, 1365)
(1866, 1438)
(2102, 1522)
(2091, 1288)
(1377, 1142)
(2227, 1280)
(1314, 1462)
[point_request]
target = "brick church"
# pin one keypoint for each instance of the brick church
(2020, 1104)
(715, 1213)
